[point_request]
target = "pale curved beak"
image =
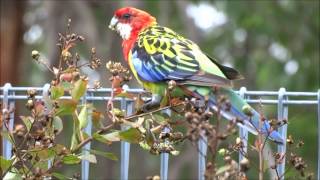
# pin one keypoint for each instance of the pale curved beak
(113, 23)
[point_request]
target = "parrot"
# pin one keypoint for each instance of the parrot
(157, 55)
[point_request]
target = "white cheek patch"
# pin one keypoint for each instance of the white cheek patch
(124, 30)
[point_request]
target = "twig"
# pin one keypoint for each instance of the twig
(260, 148)
(151, 112)
(46, 65)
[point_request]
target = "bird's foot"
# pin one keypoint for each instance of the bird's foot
(151, 104)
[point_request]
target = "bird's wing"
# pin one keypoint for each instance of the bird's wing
(160, 54)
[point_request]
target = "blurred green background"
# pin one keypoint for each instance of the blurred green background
(272, 43)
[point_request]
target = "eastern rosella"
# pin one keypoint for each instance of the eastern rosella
(157, 54)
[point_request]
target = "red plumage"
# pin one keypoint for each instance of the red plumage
(138, 20)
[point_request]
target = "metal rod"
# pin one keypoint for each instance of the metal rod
(85, 165)
(282, 115)
(45, 95)
(104, 98)
(137, 90)
(9, 97)
(6, 145)
(164, 159)
(243, 133)
(125, 146)
(202, 153)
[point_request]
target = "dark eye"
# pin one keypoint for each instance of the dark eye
(126, 16)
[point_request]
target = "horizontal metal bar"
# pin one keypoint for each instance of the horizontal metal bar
(138, 90)
(292, 102)
(104, 98)
(275, 93)
(100, 90)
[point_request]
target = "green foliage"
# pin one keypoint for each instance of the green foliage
(5, 164)
(132, 135)
(71, 159)
(66, 107)
(27, 120)
(57, 92)
(107, 155)
(79, 89)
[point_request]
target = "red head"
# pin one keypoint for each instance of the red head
(129, 21)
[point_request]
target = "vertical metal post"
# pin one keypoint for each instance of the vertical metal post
(243, 133)
(125, 146)
(282, 114)
(319, 134)
(45, 96)
(202, 153)
(8, 105)
(85, 165)
(164, 156)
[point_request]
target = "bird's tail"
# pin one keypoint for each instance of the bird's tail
(234, 109)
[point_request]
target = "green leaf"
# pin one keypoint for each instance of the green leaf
(108, 155)
(59, 148)
(41, 164)
(60, 176)
(6, 135)
(107, 138)
(117, 112)
(175, 153)
(83, 117)
(85, 135)
(150, 137)
(75, 139)
(5, 163)
(66, 85)
(71, 159)
(56, 92)
(57, 124)
(125, 94)
(113, 136)
(79, 89)
(43, 153)
(131, 135)
(66, 107)
(27, 120)
(159, 119)
(13, 174)
(89, 157)
(96, 117)
(145, 146)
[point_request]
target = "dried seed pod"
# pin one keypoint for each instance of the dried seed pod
(66, 55)
(238, 141)
(244, 164)
(96, 84)
(35, 55)
(81, 38)
(188, 116)
(156, 177)
(223, 151)
(109, 65)
(93, 50)
(247, 110)
(290, 140)
(73, 36)
(66, 77)
(31, 92)
(29, 104)
(227, 159)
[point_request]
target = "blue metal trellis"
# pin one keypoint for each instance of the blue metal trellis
(9, 95)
